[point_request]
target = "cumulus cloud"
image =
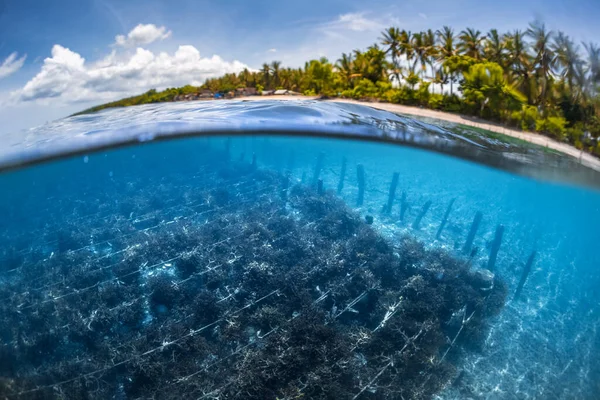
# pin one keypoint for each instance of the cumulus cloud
(142, 34)
(11, 64)
(67, 77)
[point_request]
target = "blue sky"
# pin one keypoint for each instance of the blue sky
(57, 57)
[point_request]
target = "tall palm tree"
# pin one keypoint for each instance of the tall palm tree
(593, 64)
(470, 41)
(421, 51)
(406, 48)
(543, 58)
(446, 49)
(446, 42)
(275, 69)
(567, 60)
(520, 63)
(431, 52)
(391, 39)
(266, 75)
(493, 48)
(344, 67)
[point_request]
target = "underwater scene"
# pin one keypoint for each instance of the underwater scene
(293, 250)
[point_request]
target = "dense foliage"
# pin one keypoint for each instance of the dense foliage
(536, 79)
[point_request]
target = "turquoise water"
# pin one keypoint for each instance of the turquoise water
(237, 266)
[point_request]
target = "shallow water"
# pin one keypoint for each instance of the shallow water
(214, 266)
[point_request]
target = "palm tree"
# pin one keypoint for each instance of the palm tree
(494, 48)
(543, 57)
(470, 43)
(266, 75)
(520, 63)
(446, 46)
(392, 39)
(446, 49)
(567, 59)
(406, 48)
(593, 64)
(275, 67)
(421, 51)
(431, 52)
(344, 67)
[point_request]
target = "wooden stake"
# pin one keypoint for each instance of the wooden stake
(342, 175)
(495, 247)
(392, 193)
(424, 210)
(403, 206)
(472, 232)
(444, 220)
(525, 274)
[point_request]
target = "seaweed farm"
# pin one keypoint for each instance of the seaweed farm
(280, 267)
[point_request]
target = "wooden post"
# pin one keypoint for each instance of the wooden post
(318, 167)
(320, 187)
(360, 173)
(444, 220)
(495, 247)
(403, 206)
(342, 175)
(424, 210)
(525, 274)
(392, 193)
(472, 232)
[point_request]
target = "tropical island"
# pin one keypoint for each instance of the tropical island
(534, 80)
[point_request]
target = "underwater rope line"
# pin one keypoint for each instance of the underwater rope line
(139, 270)
(89, 215)
(153, 350)
(180, 282)
(191, 333)
(162, 223)
(137, 220)
(176, 219)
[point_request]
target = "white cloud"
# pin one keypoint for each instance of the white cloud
(68, 78)
(423, 15)
(357, 22)
(142, 34)
(272, 51)
(11, 64)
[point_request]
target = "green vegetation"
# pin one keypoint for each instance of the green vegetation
(535, 80)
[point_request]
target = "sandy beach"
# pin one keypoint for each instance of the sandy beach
(532, 137)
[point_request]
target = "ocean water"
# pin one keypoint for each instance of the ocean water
(293, 250)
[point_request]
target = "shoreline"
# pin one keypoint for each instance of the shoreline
(535, 138)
